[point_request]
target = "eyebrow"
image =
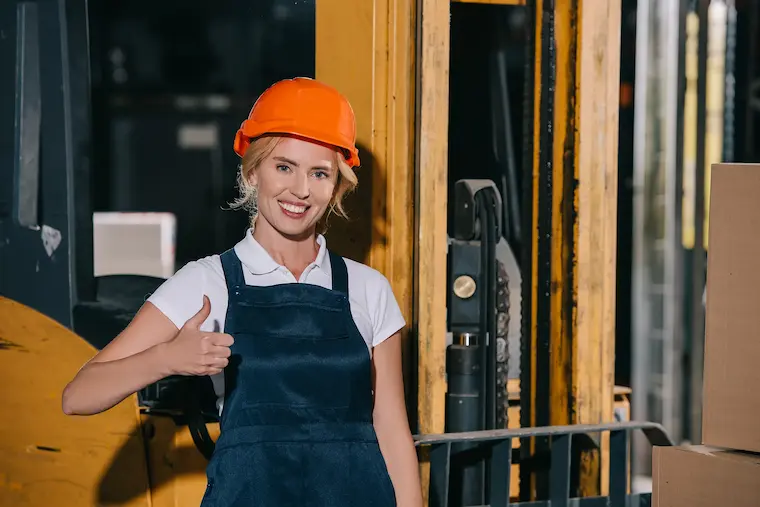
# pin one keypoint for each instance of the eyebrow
(326, 166)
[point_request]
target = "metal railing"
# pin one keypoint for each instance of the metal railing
(499, 442)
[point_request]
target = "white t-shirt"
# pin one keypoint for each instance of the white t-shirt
(373, 305)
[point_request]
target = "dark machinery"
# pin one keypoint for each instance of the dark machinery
(46, 264)
(478, 315)
(471, 465)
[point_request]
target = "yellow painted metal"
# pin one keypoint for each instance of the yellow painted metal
(177, 469)
(715, 90)
(344, 58)
(717, 14)
(371, 59)
(598, 102)
(583, 221)
(533, 331)
(565, 153)
(46, 458)
(432, 191)
(622, 409)
(337, 23)
(513, 422)
(690, 132)
(432, 186)
(492, 2)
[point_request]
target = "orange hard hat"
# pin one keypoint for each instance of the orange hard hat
(306, 108)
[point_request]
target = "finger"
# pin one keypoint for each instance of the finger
(221, 339)
(218, 351)
(199, 318)
(218, 362)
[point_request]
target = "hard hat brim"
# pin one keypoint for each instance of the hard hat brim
(250, 131)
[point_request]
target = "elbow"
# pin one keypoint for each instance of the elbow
(66, 402)
(69, 402)
(75, 398)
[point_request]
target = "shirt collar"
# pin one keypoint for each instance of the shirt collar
(258, 261)
(322, 262)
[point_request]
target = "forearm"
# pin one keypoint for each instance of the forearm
(101, 385)
(400, 456)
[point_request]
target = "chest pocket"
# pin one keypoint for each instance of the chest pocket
(291, 320)
(298, 353)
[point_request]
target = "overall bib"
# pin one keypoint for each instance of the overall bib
(296, 428)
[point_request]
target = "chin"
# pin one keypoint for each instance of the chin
(296, 232)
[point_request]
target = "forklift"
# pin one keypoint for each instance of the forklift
(494, 445)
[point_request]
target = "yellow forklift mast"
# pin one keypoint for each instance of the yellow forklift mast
(548, 434)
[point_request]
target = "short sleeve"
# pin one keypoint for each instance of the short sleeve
(181, 296)
(387, 318)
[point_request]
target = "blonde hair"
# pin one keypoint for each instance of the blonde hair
(258, 151)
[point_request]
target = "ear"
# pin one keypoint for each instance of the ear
(253, 179)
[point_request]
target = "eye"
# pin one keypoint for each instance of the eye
(283, 167)
(321, 174)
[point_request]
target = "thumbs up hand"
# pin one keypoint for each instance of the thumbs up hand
(196, 352)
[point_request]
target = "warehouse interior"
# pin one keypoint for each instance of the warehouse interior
(596, 126)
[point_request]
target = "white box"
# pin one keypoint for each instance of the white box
(134, 244)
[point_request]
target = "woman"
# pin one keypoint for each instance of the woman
(308, 366)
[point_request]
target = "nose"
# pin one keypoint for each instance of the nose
(300, 186)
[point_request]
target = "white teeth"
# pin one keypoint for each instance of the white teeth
(292, 207)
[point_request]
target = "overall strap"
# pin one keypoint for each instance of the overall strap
(339, 273)
(233, 269)
(196, 419)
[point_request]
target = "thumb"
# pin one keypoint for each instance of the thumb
(199, 318)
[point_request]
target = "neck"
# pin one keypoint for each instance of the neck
(293, 252)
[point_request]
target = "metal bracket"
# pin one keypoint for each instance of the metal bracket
(466, 218)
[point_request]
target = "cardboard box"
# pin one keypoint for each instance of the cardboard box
(700, 476)
(731, 408)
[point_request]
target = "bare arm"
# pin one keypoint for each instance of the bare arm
(130, 362)
(392, 425)
(149, 349)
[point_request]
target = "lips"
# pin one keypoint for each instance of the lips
(294, 209)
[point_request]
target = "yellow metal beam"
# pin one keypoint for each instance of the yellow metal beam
(564, 204)
(432, 185)
(573, 250)
(371, 60)
(534, 399)
(594, 353)
(492, 2)
(369, 51)
(366, 50)
(345, 58)
(432, 191)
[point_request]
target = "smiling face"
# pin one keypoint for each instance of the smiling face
(295, 185)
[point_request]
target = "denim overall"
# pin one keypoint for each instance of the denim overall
(296, 429)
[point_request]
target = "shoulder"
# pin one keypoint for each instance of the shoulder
(181, 295)
(199, 271)
(365, 275)
(371, 289)
(368, 283)
(211, 267)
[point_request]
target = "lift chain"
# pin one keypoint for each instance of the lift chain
(502, 348)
